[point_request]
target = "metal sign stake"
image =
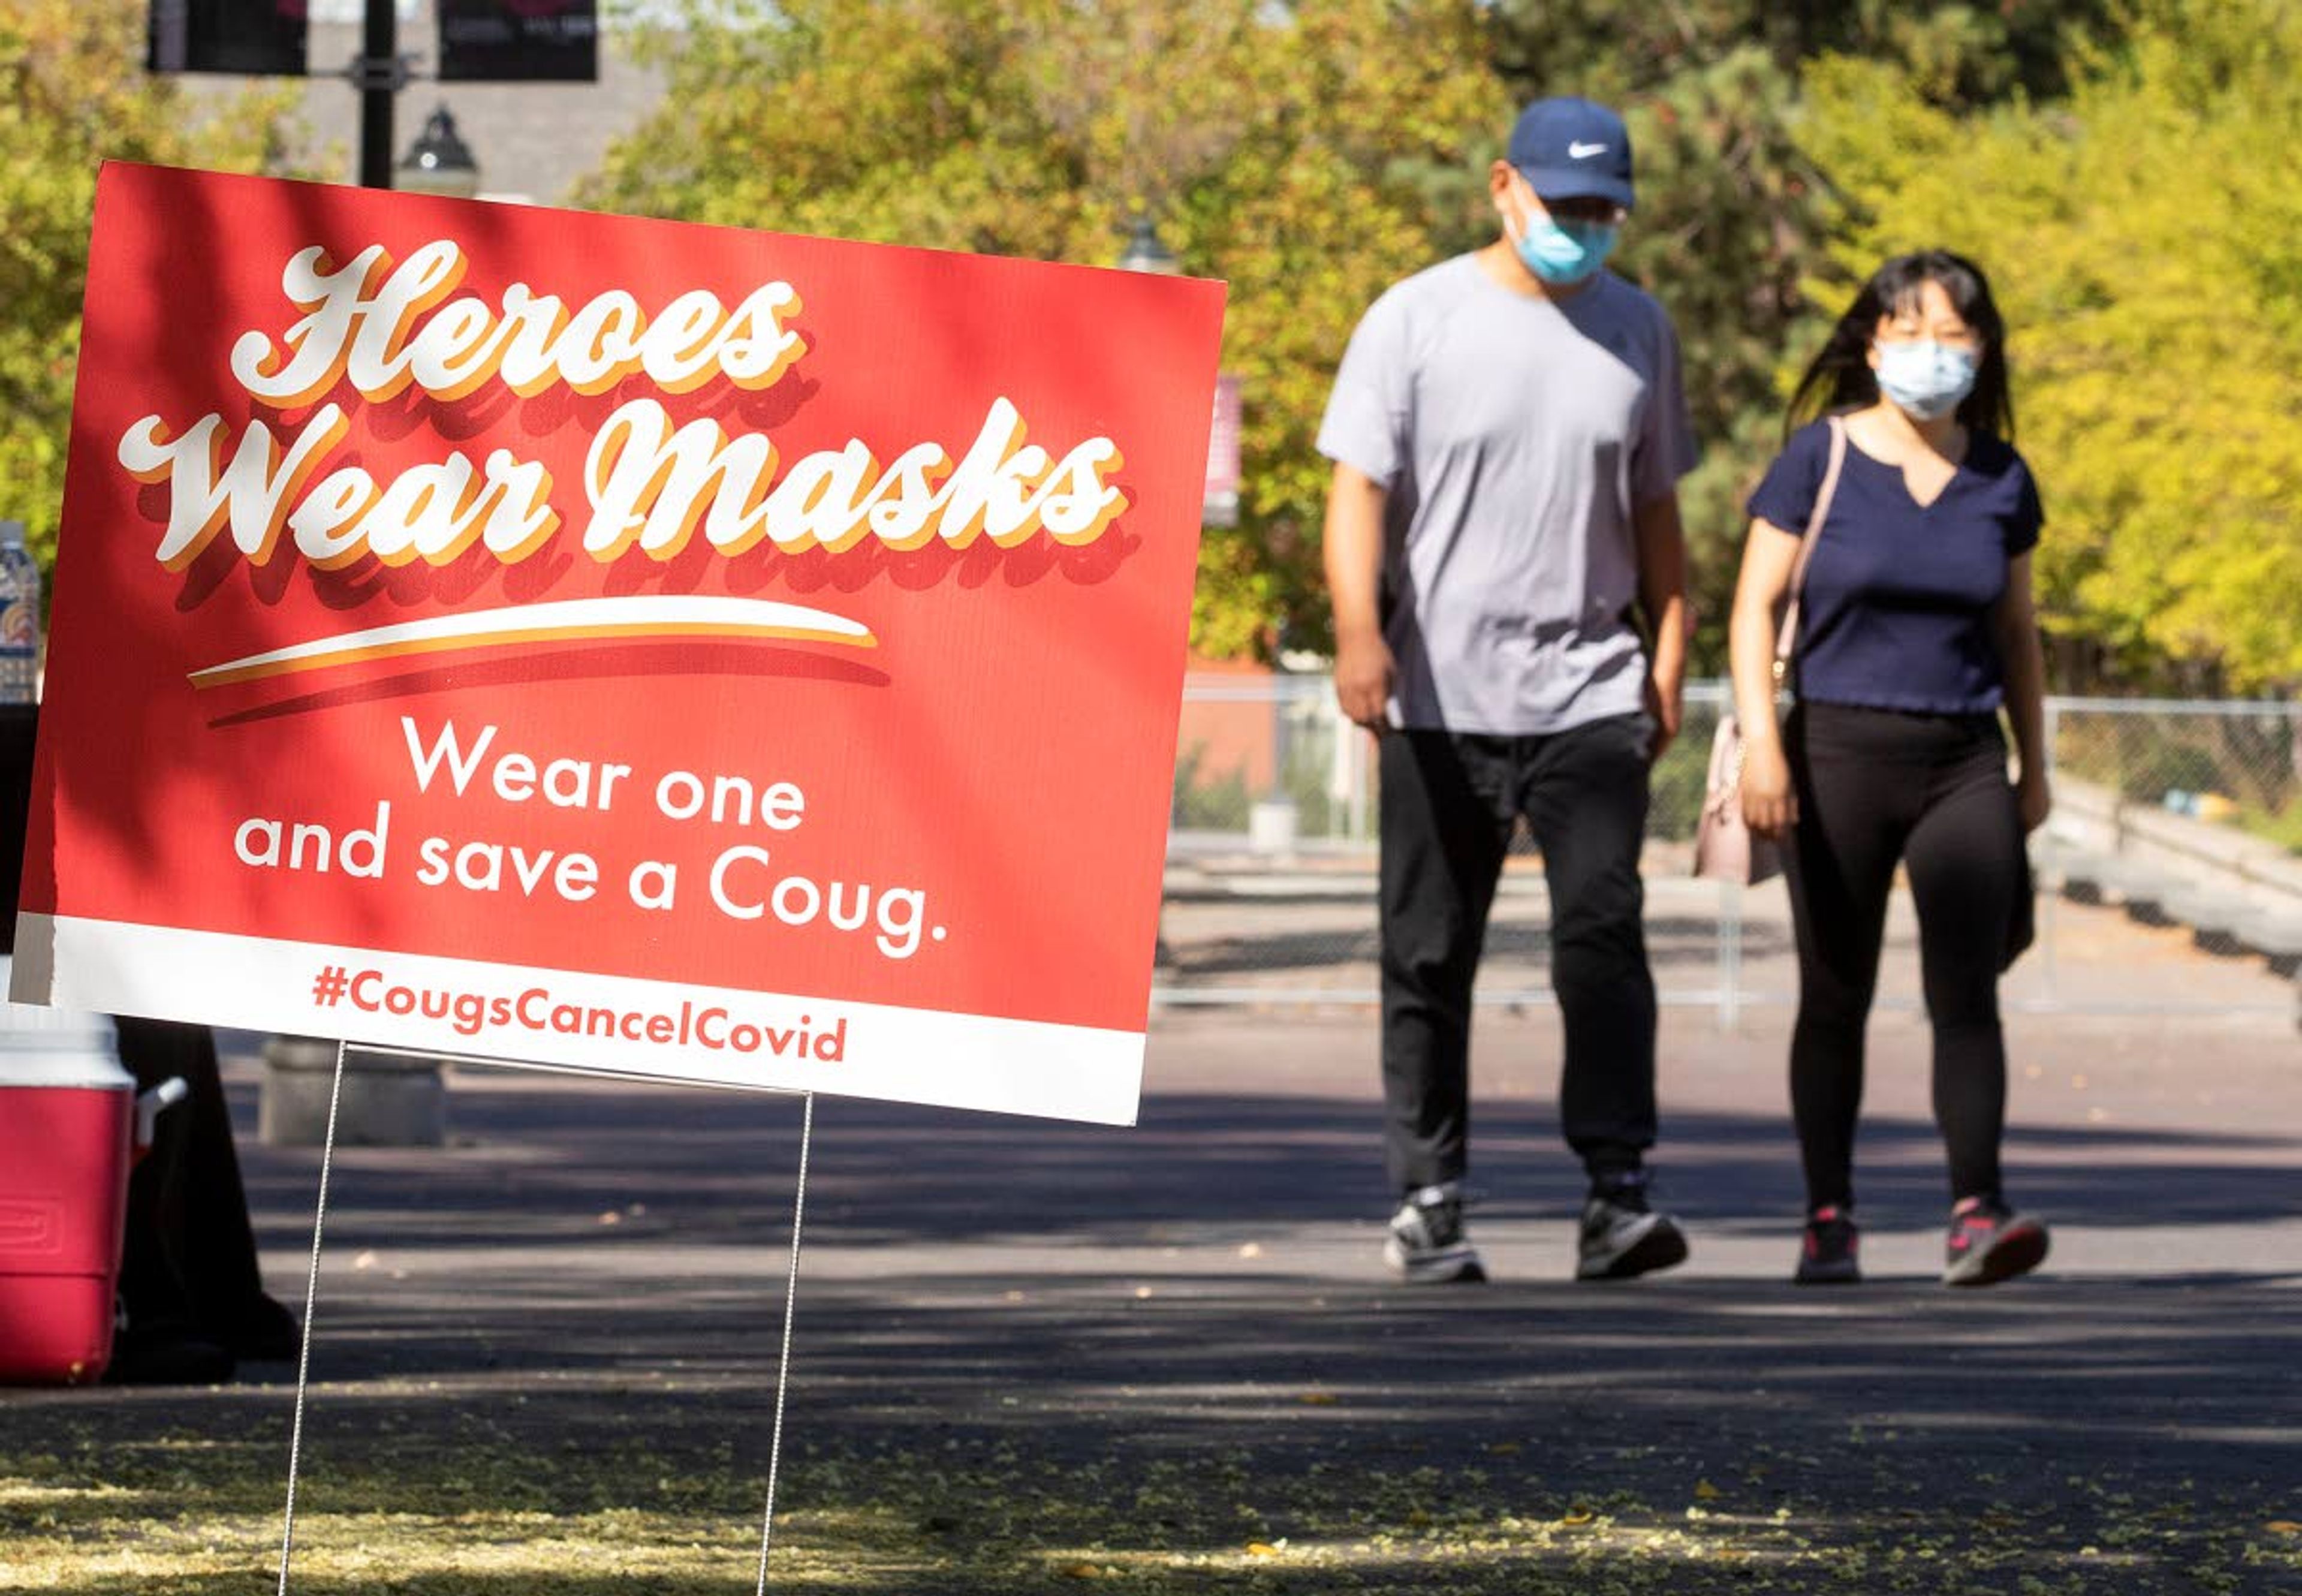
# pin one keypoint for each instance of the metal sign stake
(783, 1368)
(311, 1294)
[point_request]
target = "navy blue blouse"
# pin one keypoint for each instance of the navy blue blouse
(1899, 596)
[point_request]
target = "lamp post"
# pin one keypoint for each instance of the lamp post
(379, 74)
(439, 161)
(1271, 817)
(1144, 251)
(382, 1101)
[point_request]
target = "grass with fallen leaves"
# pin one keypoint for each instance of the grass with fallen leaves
(487, 1513)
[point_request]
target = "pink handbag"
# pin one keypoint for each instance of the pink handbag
(1724, 848)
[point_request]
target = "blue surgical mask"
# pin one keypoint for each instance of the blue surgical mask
(1562, 253)
(1926, 379)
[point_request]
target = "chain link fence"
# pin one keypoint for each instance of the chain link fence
(2234, 764)
(2177, 834)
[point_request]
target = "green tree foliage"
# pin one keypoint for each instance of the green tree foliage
(2144, 240)
(1308, 155)
(73, 93)
(1312, 154)
(1952, 51)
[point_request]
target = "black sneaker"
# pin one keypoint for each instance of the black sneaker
(166, 1354)
(1426, 1246)
(1622, 1235)
(263, 1330)
(1989, 1242)
(1827, 1256)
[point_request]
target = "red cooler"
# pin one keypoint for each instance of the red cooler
(67, 1120)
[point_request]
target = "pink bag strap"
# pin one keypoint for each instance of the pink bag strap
(1786, 639)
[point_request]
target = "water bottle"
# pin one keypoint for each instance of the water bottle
(19, 617)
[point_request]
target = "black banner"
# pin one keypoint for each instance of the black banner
(257, 38)
(519, 41)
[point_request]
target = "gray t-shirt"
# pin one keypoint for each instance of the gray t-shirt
(1514, 434)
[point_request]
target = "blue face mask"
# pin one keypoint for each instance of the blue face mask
(1926, 379)
(1562, 253)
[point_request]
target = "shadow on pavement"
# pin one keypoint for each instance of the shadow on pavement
(1053, 1329)
(1198, 1169)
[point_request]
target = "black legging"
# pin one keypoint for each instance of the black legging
(1876, 787)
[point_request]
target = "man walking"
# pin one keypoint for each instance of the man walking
(1508, 430)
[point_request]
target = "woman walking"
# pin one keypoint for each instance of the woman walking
(1913, 629)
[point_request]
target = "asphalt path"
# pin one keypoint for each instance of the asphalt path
(586, 1257)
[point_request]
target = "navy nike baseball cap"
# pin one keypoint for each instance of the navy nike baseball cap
(1571, 148)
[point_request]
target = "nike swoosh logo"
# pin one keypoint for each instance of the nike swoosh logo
(1582, 152)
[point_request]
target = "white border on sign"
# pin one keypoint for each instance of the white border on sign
(618, 1025)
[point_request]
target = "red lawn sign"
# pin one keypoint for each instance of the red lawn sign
(617, 644)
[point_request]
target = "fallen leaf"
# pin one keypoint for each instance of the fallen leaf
(1705, 1491)
(2283, 1526)
(611, 1218)
(1261, 1549)
(1576, 1515)
(1318, 1398)
(1080, 1571)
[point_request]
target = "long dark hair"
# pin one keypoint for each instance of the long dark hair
(1841, 378)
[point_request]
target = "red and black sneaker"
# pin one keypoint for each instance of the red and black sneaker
(1989, 1242)
(1827, 1256)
